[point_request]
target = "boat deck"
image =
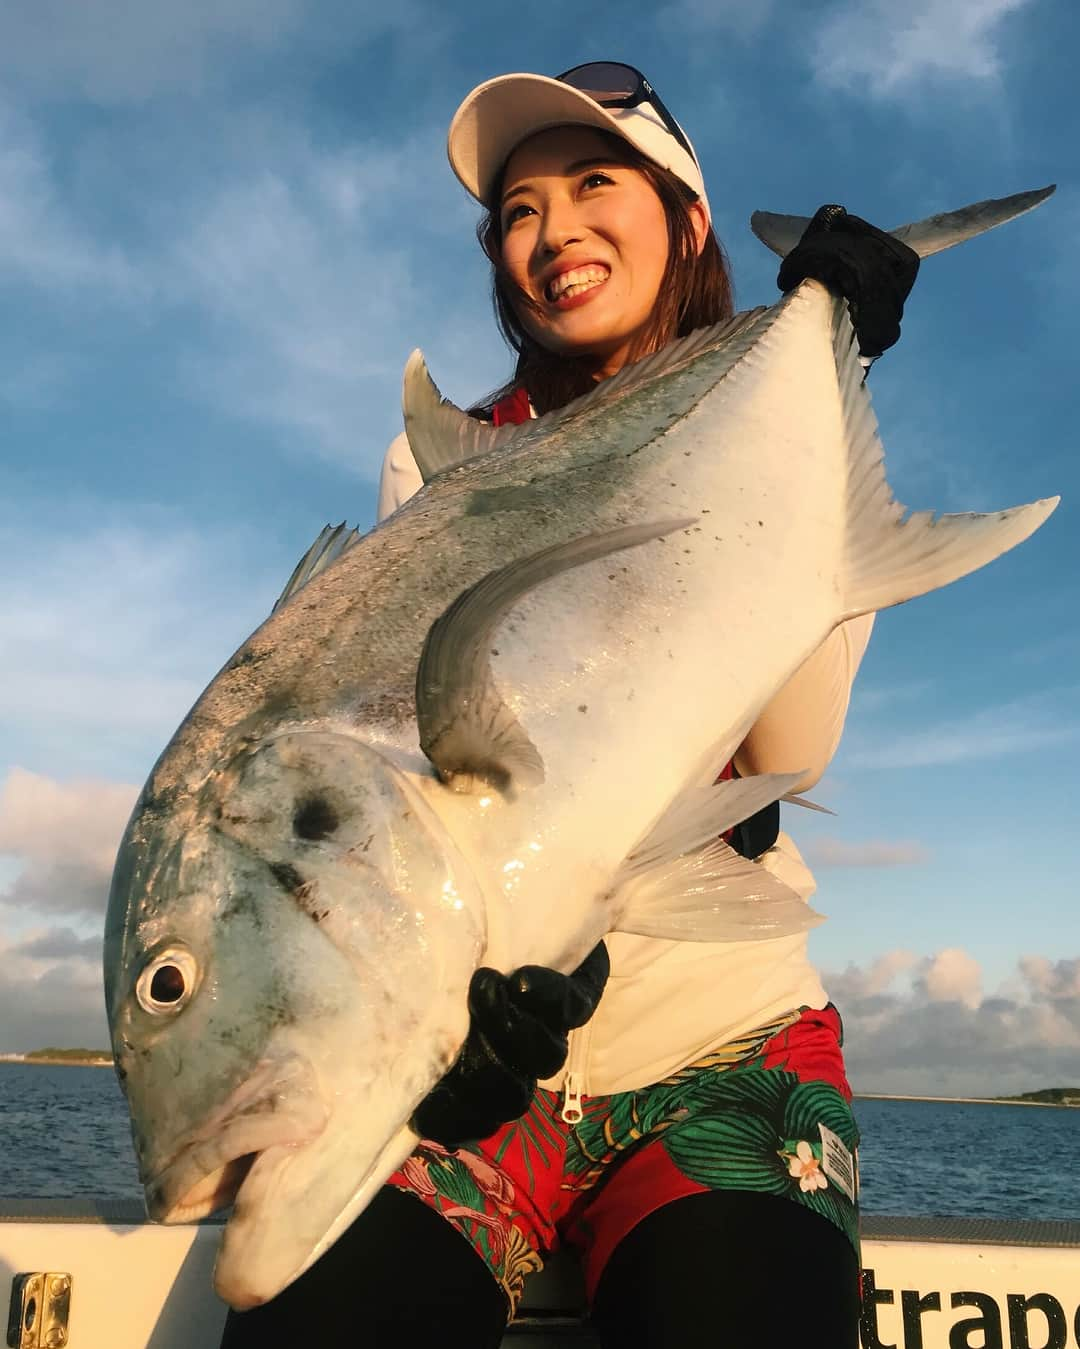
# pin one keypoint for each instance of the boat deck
(136, 1285)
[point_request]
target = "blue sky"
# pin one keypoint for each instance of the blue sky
(223, 227)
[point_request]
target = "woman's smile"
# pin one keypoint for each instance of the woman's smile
(576, 285)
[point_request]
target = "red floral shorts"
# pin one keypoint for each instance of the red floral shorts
(770, 1112)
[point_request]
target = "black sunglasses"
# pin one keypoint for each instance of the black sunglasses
(613, 85)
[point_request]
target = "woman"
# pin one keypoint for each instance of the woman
(692, 1136)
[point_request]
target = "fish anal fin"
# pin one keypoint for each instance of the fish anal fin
(807, 804)
(466, 729)
(682, 882)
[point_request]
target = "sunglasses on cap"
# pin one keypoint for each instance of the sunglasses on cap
(614, 85)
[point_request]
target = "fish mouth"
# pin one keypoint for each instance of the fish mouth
(252, 1267)
(258, 1129)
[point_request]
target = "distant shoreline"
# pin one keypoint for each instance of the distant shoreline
(48, 1061)
(967, 1100)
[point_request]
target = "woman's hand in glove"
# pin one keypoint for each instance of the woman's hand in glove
(872, 271)
(519, 1024)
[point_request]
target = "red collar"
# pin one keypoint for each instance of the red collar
(512, 410)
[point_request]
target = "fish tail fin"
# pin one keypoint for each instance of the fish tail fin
(933, 235)
(891, 554)
(683, 882)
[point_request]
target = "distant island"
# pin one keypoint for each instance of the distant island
(1048, 1096)
(81, 1058)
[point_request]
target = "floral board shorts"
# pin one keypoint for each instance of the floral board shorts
(769, 1112)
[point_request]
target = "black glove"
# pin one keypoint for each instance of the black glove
(518, 1031)
(872, 271)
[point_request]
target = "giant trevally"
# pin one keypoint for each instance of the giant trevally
(486, 732)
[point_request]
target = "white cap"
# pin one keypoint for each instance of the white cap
(499, 114)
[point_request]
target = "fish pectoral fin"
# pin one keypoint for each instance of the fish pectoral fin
(682, 882)
(466, 729)
(328, 547)
(934, 234)
(440, 435)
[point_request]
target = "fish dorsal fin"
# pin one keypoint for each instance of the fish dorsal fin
(736, 334)
(328, 547)
(934, 234)
(441, 435)
(682, 882)
(466, 729)
(892, 555)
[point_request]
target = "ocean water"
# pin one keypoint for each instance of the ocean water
(64, 1131)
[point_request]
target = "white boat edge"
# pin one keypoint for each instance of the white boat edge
(929, 1282)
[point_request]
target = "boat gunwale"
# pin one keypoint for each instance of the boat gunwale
(1049, 1232)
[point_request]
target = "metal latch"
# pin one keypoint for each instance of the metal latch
(38, 1313)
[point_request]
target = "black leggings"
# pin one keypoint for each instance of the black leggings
(730, 1270)
(726, 1270)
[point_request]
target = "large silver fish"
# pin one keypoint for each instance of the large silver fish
(486, 733)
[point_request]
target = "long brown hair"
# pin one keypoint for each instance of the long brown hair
(695, 291)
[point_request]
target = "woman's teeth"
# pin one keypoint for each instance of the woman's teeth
(572, 283)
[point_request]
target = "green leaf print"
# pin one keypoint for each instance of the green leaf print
(814, 1103)
(535, 1138)
(729, 1152)
(454, 1181)
(607, 1130)
(763, 1093)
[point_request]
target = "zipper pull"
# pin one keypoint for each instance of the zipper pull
(572, 1112)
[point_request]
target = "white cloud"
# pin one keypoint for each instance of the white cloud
(876, 978)
(48, 998)
(304, 293)
(883, 49)
(290, 292)
(834, 852)
(41, 239)
(65, 835)
(309, 296)
(876, 697)
(1052, 978)
(951, 976)
(35, 379)
(1018, 727)
(130, 50)
(59, 943)
(729, 16)
(926, 1025)
(109, 633)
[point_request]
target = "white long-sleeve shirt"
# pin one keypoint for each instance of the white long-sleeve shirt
(668, 1003)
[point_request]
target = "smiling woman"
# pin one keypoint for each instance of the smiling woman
(690, 1131)
(600, 257)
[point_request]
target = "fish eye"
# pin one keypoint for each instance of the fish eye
(314, 818)
(167, 982)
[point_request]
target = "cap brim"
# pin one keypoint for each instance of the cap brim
(498, 115)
